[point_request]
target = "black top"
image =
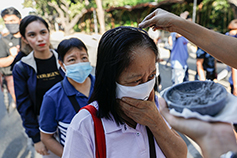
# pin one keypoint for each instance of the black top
(47, 76)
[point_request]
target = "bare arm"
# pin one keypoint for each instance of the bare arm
(170, 41)
(52, 144)
(7, 61)
(200, 70)
(167, 139)
(218, 45)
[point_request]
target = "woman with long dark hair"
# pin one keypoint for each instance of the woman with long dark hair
(125, 68)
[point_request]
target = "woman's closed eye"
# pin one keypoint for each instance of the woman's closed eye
(136, 82)
(139, 81)
(71, 60)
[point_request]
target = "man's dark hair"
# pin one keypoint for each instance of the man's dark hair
(11, 11)
(29, 19)
(67, 44)
(114, 55)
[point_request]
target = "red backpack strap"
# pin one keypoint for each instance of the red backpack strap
(99, 132)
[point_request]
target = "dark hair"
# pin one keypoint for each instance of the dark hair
(11, 11)
(67, 44)
(114, 55)
(29, 19)
(188, 17)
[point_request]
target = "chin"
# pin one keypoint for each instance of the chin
(45, 48)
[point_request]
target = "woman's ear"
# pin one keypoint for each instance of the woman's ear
(22, 38)
(62, 66)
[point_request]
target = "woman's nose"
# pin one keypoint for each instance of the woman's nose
(39, 38)
(144, 80)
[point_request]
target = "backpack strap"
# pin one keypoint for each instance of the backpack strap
(73, 100)
(99, 132)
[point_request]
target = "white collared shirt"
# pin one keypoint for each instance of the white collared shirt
(121, 141)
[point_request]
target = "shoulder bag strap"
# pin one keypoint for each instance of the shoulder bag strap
(73, 100)
(151, 143)
(99, 132)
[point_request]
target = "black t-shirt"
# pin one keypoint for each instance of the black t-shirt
(47, 76)
(5, 44)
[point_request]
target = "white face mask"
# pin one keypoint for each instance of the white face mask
(141, 91)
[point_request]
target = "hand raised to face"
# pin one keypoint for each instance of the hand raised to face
(142, 112)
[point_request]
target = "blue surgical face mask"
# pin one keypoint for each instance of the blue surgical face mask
(79, 71)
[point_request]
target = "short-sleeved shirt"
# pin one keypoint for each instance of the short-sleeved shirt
(179, 52)
(57, 111)
(5, 44)
(121, 140)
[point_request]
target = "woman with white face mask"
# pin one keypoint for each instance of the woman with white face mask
(65, 99)
(125, 68)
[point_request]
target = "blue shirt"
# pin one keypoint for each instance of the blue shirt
(179, 52)
(57, 111)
